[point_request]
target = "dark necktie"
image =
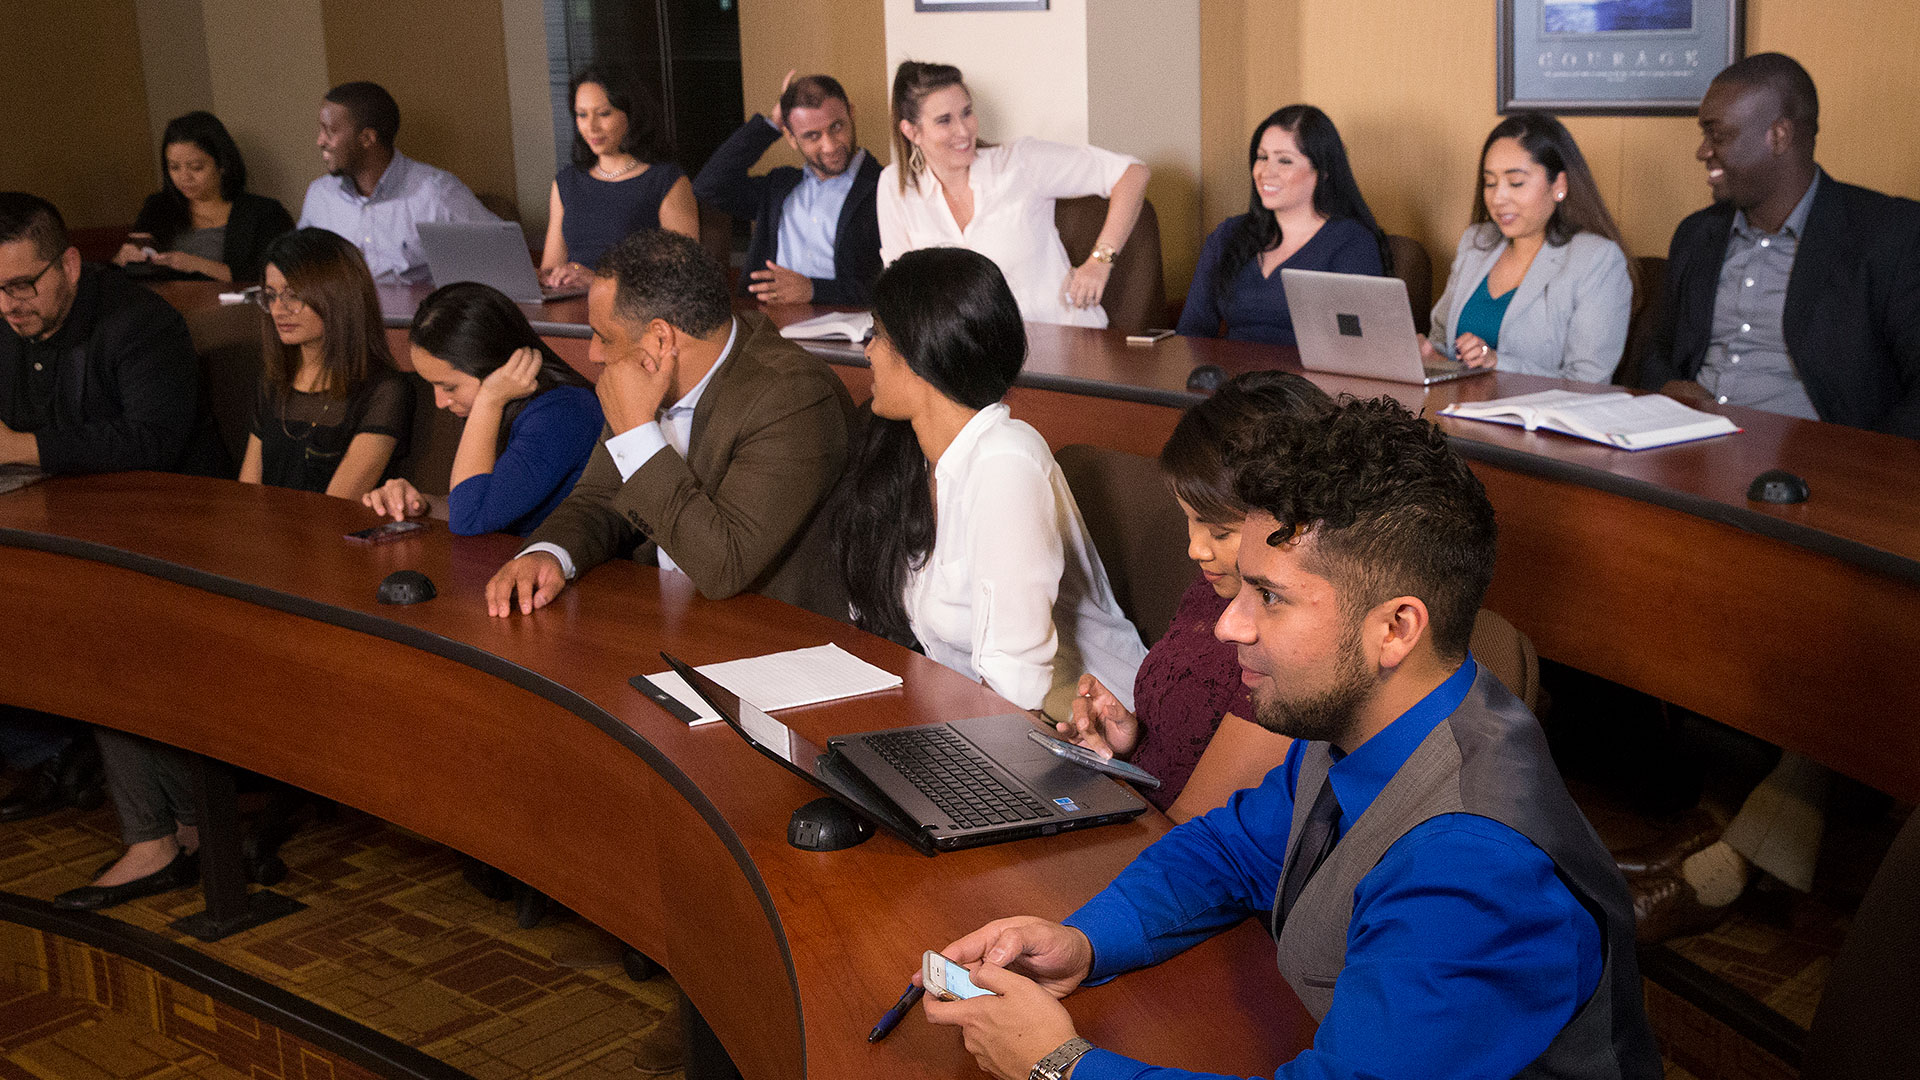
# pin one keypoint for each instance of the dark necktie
(1316, 841)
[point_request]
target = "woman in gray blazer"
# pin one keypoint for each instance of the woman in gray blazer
(1540, 282)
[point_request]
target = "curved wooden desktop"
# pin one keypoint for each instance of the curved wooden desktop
(234, 620)
(1649, 568)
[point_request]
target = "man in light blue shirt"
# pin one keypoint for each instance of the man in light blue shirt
(374, 195)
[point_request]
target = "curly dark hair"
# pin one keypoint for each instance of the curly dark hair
(659, 274)
(1390, 508)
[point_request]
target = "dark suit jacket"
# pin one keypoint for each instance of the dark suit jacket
(739, 513)
(255, 222)
(725, 184)
(126, 392)
(1852, 318)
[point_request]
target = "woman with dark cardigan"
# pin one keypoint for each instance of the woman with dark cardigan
(531, 420)
(203, 222)
(1191, 722)
(1306, 213)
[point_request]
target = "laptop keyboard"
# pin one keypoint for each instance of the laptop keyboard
(955, 776)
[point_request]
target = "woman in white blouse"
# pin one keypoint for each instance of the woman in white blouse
(953, 526)
(947, 188)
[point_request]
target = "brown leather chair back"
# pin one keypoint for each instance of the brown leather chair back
(716, 236)
(1137, 528)
(1136, 295)
(1864, 1027)
(1508, 655)
(1649, 307)
(435, 437)
(227, 340)
(1411, 265)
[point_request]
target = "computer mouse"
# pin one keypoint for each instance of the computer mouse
(405, 587)
(1778, 486)
(1206, 378)
(826, 825)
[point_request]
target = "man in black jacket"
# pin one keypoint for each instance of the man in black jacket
(816, 236)
(96, 375)
(1794, 292)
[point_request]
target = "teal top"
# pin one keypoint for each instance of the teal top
(1483, 314)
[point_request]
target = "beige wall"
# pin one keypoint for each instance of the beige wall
(1027, 69)
(531, 114)
(445, 61)
(74, 128)
(268, 69)
(1143, 98)
(173, 53)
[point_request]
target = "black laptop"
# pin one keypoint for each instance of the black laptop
(939, 787)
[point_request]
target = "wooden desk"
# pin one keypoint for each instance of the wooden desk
(1648, 568)
(234, 621)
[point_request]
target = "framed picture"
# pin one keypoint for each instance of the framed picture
(1614, 57)
(979, 5)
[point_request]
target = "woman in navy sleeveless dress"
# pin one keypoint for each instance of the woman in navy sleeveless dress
(619, 183)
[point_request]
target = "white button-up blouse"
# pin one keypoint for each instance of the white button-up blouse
(1014, 189)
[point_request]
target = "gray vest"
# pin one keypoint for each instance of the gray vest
(1490, 759)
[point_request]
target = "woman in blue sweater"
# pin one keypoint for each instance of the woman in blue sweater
(531, 419)
(1306, 213)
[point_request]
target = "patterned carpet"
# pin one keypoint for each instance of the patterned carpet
(392, 937)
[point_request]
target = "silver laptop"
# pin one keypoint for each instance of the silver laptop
(939, 786)
(1359, 324)
(489, 252)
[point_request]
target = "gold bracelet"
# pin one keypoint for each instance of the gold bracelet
(1103, 253)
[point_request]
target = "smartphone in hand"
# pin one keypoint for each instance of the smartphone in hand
(947, 980)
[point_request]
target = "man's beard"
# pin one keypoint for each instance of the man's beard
(1326, 716)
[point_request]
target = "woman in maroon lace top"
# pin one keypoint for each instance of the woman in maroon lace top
(1190, 729)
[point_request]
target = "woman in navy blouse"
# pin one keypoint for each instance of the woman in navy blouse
(1306, 213)
(620, 182)
(531, 419)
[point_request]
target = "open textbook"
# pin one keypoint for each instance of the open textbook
(851, 325)
(1628, 421)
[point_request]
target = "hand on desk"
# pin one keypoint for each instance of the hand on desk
(1469, 349)
(1009, 1033)
(570, 275)
(1100, 723)
(779, 285)
(536, 577)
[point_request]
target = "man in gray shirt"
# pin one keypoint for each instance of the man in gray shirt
(1794, 292)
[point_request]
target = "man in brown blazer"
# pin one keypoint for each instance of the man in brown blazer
(722, 440)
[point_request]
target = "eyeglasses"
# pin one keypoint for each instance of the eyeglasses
(27, 288)
(266, 298)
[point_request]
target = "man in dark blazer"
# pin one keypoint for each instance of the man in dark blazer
(816, 236)
(722, 440)
(1794, 292)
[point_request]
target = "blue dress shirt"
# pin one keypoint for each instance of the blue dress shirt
(385, 224)
(547, 448)
(810, 218)
(1466, 954)
(1257, 309)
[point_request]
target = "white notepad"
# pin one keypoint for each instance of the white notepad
(783, 680)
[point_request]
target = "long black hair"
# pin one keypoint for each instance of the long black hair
(1336, 194)
(1195, 456)
(645, 138)
(1548, 142)
(203, 130)
(949, 314)
(476, 328)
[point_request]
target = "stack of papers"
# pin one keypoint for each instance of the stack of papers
(850, 325)
(1628, 421)
(784, 680)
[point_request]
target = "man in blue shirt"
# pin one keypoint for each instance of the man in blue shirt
(374, 195)
(816, 234)
(1438, 902)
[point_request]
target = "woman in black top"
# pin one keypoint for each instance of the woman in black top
(203, 223)
(333, 413)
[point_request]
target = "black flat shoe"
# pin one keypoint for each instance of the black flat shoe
(178, 874)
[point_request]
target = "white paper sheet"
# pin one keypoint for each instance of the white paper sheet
(784, 680)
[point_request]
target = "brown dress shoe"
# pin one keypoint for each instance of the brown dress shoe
(662, 1048)
(1695, 831)
(1666, 907)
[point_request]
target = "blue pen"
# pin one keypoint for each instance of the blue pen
(895, 1015)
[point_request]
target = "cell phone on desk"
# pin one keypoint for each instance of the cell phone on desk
(380, 534)
(1148, 337)
(1080, 755)
(946, 979)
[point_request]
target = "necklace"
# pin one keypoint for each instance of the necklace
(326, 406)
(632, 164)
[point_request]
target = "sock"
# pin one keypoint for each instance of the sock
(1717, 873)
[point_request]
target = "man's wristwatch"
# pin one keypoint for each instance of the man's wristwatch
(1055, 1065)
